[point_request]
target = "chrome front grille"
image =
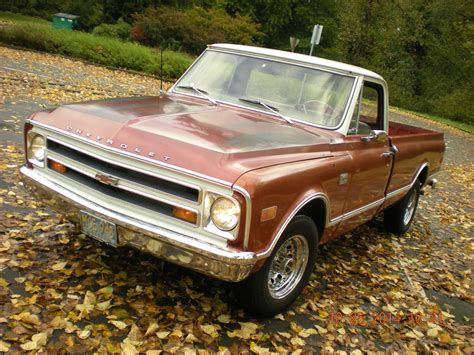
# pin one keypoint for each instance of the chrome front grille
(120, 194)
(153, 182)
(142, 191)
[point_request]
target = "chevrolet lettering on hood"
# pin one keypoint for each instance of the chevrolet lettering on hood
(122, 145)
(273, 154)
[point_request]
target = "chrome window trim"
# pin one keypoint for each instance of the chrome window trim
(345, 129)
(279, 60)
(170, 167)
(270, 58)
(297, 57)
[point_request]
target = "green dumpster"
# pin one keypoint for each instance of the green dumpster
(65, 21)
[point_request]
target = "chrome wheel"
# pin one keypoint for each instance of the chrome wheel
(288, 266)
(410, 209)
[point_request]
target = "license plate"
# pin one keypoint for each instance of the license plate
(99, 228)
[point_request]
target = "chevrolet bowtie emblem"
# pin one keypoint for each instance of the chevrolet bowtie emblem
(107, 179)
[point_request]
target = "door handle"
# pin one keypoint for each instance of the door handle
(391, 151)
(388, 154)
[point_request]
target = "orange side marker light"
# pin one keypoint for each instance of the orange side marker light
(185, 215)
(60, 168)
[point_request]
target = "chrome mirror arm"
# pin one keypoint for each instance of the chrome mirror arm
(375, 134)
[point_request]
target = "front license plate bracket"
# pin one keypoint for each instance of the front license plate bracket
(99, 228)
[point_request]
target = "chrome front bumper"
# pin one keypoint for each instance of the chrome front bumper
(165, 244)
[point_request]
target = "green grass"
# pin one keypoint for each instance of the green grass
(102, 50)
(5, 15)
(464, 126)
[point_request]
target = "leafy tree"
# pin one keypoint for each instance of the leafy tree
(192, 29)
(448, 70)
(424, 51)
(281, 19)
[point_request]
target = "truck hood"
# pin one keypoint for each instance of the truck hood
(219, 141)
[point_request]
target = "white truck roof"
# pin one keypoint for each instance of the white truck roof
(297, 57)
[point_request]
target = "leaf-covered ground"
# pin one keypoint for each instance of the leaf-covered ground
(370, 291)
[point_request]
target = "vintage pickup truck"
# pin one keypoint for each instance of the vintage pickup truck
(250, 161)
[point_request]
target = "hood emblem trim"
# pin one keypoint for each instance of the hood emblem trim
(138, 150)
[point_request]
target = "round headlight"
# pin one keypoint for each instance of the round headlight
(225, 213)
(37, 147)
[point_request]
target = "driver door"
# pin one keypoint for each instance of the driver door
(372, 164)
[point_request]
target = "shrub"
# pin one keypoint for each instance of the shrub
(192, 29)
(458, 104)
(97, 49)
(15, 17)
(120, 30)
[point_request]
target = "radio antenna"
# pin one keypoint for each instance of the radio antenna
(161, 71)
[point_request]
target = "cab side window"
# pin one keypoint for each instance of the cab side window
(368, 113)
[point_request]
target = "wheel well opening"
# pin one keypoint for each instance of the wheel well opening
(423, 176)
(316, 210)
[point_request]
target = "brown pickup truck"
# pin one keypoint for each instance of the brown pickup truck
(250, 161)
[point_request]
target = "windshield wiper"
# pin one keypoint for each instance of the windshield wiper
(201, 92)
(267, 106)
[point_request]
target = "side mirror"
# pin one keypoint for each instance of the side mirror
(376, 135)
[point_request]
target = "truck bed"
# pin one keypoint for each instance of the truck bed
(399, 129)
(416, 147)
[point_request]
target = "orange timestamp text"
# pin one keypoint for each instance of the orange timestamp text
(374, 318)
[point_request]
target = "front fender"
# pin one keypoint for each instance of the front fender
(290, 187)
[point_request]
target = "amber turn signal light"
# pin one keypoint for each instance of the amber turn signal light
(268, 213)
(60, 168)
(185, 215)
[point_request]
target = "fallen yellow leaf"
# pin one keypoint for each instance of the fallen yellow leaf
(59, 266)
(346, 310)
(31, 345)
(152, 328)
(40, 338)
(296, 341)
(119, 324)
(4, 346)
(163, 334)
(210, 329)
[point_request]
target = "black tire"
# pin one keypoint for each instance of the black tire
(398, 218)
(273, 289)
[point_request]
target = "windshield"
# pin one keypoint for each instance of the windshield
(295, 92)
